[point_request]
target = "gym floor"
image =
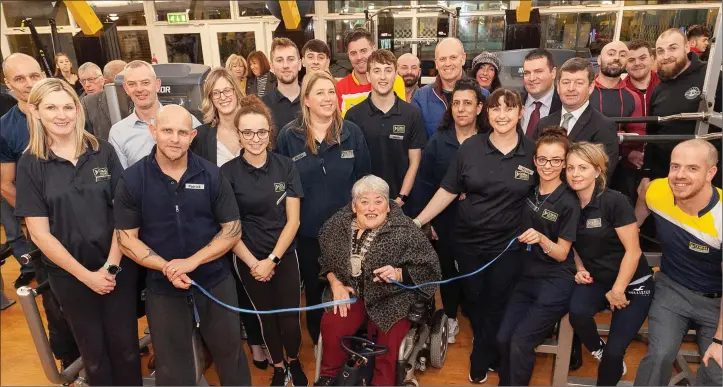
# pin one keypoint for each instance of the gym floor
(19, 364)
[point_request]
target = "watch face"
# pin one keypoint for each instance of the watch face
(113, 269)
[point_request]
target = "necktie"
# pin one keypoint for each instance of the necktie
(534, 119)
(566, 121)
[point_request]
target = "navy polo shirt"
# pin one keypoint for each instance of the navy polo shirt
(176, 218)
(282, 109)
(496, 185)
(389, 137)
(261, 197)
(14, 135)
(555, 215)
(328, 175)
(598, 243)
(76, 199)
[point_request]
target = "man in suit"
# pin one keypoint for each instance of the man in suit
(540, 97)
(583, 123)
(96, 105)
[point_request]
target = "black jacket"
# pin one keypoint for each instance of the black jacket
(204, 144)
(555, 106)
(252, 86)
(593, 127)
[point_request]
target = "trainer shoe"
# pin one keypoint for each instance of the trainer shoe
(599, 354)
(280, 377)
(478, 379)
(325, 381)
(452, 330)
(296, 369)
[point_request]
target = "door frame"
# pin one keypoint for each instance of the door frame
(214, 29)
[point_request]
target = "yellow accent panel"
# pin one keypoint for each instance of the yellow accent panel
(290, 14)
(351, 100)
(523, 11)
(84, 16)
(660, 200)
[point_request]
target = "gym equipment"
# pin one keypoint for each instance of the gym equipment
(381, 25)
(511, 61)
(5, 302)
(75, 373)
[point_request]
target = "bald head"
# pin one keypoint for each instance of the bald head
(448, 45)
(173, 131)
(449, 58)
(671, 53)
(21, 72)
(113, 68)
(692, 168)
(173, 114)
(408, 68)
(672, 33)
(18, 59)
(407, 59)
(612, 59)
(702, 148)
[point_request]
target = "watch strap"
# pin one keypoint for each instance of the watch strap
(717, 341)
(274, 259)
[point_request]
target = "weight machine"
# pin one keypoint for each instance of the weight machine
(381, 25)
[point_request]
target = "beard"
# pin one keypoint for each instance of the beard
(673, 72)
(607, 70)
(410, 80)
(290, 80)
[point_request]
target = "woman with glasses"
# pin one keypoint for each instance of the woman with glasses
(218, 142)
(495, 172)
(542, 295)
(268, 192)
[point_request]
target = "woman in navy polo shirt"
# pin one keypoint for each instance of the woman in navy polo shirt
(462, 120)
(331, 155)
(542, 295)
(65, 186)
(611, 268)
(495, 172)
(268, 192)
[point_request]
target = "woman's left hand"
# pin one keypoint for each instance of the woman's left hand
(264, 270)
(617, 299)
(387, 273)
(530, 237)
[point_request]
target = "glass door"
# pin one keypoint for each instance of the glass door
(239, 39)
(183, 44)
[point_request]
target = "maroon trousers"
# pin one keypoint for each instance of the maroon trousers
(333, 327)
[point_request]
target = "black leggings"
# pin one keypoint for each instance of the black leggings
(309, 252)
(280, 331)
(249, 321)
(451, 292)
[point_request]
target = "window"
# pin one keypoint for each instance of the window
(336, 30)
(648, 25)
(575, 31)
(40, 12)
(481, 33)
(135, 45)
(470, 5)
(567, 3)
(24, 43)
(202, 9)
(661, 2)
(358, 6)
(184, 48)
(252, 8)
(240, 43)
(130, 13)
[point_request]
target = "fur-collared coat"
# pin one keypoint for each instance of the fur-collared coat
(400, 244)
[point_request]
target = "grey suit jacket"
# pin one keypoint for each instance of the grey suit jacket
(96, 115)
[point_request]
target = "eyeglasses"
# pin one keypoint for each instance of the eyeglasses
(249, 134)
(227, 92)
(541, 161)
(88, 80)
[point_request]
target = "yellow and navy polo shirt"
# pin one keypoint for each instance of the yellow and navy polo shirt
(691, 244)
(349, 92)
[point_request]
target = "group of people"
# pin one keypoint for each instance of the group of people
(348, 186)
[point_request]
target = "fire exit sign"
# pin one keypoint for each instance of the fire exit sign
(177, 17)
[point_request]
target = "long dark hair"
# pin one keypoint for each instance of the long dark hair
(462, 85)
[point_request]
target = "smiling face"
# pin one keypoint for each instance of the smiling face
(574, 89)
(286, 64)
(238, 70)
(639, 63)
(580, 174)
(382, 77)
(549, 159)
(58, 114)
(142, 86)
(408, 68)
(255, 67)
(224, 97)
(449, 58)
(465, 108)
(359, 52)
(538, 77)
(690, 170)
(504, 118)
(321, 99)
(254, 133)
(485, 75)
(316, 61)
(371, 210)
(612, 59)
(173, 131)
(671, 54)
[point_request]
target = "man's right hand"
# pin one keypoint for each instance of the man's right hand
(100, 281)
(182, 282)
(643, 187)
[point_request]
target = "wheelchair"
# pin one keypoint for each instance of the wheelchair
(424, 344)
(74, 374)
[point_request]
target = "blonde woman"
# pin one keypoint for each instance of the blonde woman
(64, 70)
(65, 184)
(237, 65)
(331, 155)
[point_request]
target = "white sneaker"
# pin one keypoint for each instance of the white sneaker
(452, 330)
(599, 354)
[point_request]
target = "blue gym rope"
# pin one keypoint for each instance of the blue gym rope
(351, 300)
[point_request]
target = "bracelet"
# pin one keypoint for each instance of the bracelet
(417, 222)
(717, 341)
(548, 251)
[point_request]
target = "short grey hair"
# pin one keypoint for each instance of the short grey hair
(112, 69)
(88, 66)
(138, 64)
(370, 184)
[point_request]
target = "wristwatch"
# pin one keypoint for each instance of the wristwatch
(717, 341)
(274, 259)
(403, 197)
(111, 268)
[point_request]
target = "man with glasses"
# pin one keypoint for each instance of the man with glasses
(283, 102)
(130, 136)
(91, 77)
(97, 116)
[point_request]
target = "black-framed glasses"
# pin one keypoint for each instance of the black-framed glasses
(227, 92)
(249, 134)
(88, 80)
(541, 161)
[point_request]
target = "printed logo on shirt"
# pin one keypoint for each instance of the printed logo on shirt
(194, 186)
(347, 154)
(549, 215)
(398, 129)
(639, 291)
(299, 156)
(519, 175)
(692, 93)
(525, 170)
(395, 137)
(594, 223)
(279, 187)
(101, 174)
(699, 248)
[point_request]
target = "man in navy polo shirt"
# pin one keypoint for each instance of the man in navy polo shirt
(176, 215)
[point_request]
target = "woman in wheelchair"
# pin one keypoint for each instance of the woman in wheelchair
(365, 246)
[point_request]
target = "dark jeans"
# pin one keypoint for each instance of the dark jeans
(14, 235)
(171, 321)
(452, 292)
(249, 321)
(308, 252)
(586, 301)
(536, 305)
(281, 331)
(486, 295)
(104, 326)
